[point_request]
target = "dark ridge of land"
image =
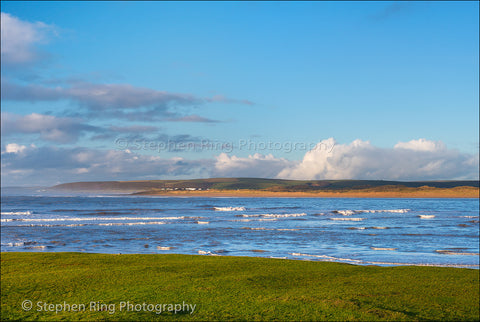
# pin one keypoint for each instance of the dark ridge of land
(269, 185)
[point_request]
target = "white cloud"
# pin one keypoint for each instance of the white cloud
(48, 165)
(421, 145)
(19, 39)
(14, 148)
(414, 160)
(257, 165)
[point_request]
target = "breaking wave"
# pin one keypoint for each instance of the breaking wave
(275, 215)
(89, 219)
(426, 216)
(353, 212)
(358, 261)
(229, 208)
(17, 213)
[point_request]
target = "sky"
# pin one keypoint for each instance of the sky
(125, 90)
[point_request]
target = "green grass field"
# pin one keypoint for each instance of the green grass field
(229, 288)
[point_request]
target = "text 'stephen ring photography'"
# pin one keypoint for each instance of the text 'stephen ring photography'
(226, 161)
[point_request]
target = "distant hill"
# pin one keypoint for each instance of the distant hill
(279, 185)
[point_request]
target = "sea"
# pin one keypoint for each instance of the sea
(361, 231)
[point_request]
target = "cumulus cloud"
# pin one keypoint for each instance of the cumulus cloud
(257, 165)
(47, 127)
(421, 145)
(414, 160)
(19, 40)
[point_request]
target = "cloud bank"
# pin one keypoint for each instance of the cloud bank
(47, 127)
(414, 160)
(122, 101)
(407, 161)
(51, 165)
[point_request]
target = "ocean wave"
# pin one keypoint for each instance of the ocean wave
(426, 216)
(399, 211)
(347, 219)
(274, 215)
(165, 247)
(276, 229)
(258, 219)
(229, 208)
(89, 219)
(357, 261)
(19, 213)
(344, 212)
(452, 252)
(353, 212)
(383, 248)
(18, 244)
(99, 224)
(133, 223)
(202, 252)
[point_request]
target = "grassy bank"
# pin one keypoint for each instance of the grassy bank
(229, 288)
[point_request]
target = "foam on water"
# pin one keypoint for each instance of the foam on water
(229, 208)
(347, 219)
(89, 219)
(132, 223)
(19, 213)
(399, 211)
(365, 262)
(97, 224)
(353, 212)
(276, 229)
(344, 212)
(165, 247)
(275, 215)
(426, 216)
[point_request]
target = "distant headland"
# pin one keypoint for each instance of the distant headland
(259, 187)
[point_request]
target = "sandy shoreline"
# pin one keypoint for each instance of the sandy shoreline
(457, 192)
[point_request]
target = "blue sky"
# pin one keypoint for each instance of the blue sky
(391, 86)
